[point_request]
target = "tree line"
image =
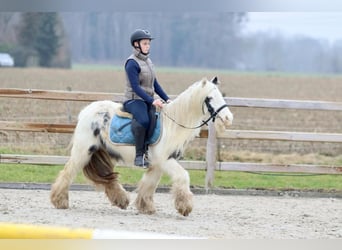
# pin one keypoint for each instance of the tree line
(194, 39)
(185, 39)
(35, 39)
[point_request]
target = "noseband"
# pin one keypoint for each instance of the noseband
(211, 110)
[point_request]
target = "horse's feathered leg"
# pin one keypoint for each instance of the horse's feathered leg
(59, 190)
(180, 186)
(84, 143)
(146, 189)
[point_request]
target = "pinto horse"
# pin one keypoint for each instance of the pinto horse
(93, 152)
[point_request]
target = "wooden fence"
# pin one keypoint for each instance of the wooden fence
(210, 133)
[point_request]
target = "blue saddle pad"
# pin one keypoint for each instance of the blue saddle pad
(121, 132)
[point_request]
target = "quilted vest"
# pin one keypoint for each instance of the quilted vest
(146, 76)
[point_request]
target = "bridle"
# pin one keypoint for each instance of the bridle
(211, 110)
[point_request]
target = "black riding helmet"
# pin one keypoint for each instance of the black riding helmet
(140, 34)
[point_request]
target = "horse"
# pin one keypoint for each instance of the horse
(94, 153)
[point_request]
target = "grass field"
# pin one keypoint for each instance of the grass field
(223, 179)
(234, 84)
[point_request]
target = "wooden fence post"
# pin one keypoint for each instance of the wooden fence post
(211, 156)
(69, 115)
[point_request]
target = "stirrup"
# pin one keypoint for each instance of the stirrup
(141, 162)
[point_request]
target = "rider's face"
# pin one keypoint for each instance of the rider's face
(145, 45)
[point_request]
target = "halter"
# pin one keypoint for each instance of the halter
(211, 110)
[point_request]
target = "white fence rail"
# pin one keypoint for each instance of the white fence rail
(211, 163)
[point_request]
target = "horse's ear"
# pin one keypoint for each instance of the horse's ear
(215, 80)
(204, 81)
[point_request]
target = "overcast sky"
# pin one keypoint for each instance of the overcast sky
(325, 25)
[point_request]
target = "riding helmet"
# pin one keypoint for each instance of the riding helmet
(140, 34)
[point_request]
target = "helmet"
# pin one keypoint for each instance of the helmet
(140, 34)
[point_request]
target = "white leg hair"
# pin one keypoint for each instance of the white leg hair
(146, 189)
(59, 190)
(180, 186)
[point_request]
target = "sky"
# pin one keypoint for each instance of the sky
(321, 25)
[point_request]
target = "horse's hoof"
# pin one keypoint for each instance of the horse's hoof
(148, 212)
(145, 205)
(123, 204)
(60, 201)
(183, 203)
(62, 204)
(185, 212)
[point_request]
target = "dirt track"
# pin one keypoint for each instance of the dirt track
(214, 216)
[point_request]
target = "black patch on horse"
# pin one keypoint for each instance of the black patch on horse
(106, 118)
(176, 155)
(112, 153)
(96, 128)
(92, 149)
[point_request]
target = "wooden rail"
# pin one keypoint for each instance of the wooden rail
(37, 127)
(283, 104)
(211, 163)
(195, 165)
(228, 134)
(231, 134)
(57, 95)
(231, 101)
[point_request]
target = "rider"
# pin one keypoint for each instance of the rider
(139, 94)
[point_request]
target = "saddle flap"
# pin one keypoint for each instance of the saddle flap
(120, 131)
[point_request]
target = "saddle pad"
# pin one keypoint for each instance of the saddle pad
(121, 132)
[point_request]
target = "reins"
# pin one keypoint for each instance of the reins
(211, 110)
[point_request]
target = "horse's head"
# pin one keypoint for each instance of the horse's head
(216, 105)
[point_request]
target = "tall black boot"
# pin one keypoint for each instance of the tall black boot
(139, 133)
(151, 128)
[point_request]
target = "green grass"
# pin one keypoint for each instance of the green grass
(223, 179)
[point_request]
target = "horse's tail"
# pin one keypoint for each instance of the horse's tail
(100, 168)
(94, 122)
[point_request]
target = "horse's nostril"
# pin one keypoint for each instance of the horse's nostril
(229, 121)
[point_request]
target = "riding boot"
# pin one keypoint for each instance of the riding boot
(151, 128)
(139, 133)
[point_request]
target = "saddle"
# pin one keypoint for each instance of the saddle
(120, 131)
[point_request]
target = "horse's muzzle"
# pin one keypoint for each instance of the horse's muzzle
(223, 122)
(229, 119)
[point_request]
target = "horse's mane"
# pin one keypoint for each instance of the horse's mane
(186, 110)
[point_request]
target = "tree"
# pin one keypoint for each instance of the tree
(182, 39)
(28, 29)
(47, 39)
(38, 36)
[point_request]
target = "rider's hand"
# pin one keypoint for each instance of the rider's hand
(158, 103)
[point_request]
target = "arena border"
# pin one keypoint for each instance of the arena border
(195, 190)
(32, 231)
